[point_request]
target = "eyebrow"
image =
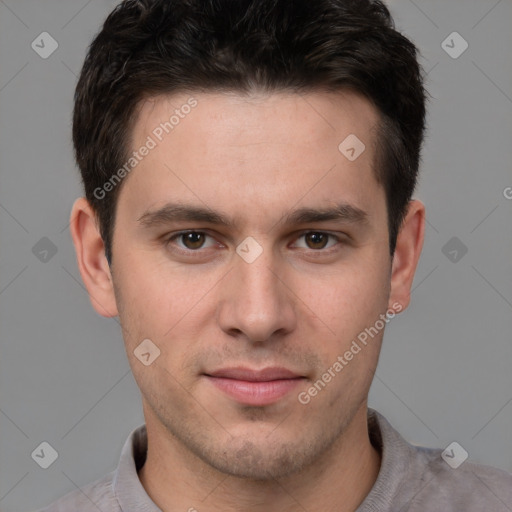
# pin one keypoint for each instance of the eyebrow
(176, 212)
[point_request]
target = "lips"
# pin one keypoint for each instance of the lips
(264, 375)
(255, 387)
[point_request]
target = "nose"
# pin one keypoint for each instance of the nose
(256, 300)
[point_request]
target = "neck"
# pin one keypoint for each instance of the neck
(339, 480)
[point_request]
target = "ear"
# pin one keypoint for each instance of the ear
(90, 254)
(407, 253)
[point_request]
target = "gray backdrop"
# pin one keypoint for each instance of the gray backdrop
(444, 371)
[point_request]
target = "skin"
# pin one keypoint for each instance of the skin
(299, 305)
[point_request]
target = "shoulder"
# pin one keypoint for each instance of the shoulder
(469, 487)
(419, 479)
(98, 495)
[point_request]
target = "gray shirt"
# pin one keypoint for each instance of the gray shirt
(411, 479)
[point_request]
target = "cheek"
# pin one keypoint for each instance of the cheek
(163, 303)
(348, 300)
(151, 292)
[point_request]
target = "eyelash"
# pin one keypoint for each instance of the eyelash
(199, 252)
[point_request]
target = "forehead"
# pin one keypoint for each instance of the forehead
(260, 151)
(315, 116)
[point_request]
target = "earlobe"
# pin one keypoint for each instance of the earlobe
(92, 263)
(407, 253)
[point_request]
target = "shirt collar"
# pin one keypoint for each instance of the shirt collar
(396, 455)
(128, 490)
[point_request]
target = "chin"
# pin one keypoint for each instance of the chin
(260, 460)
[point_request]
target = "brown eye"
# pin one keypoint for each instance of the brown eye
(316, 240)
(193, 240)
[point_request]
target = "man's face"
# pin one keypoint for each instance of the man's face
(219, 316)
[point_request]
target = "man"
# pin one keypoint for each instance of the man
(249, 169)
